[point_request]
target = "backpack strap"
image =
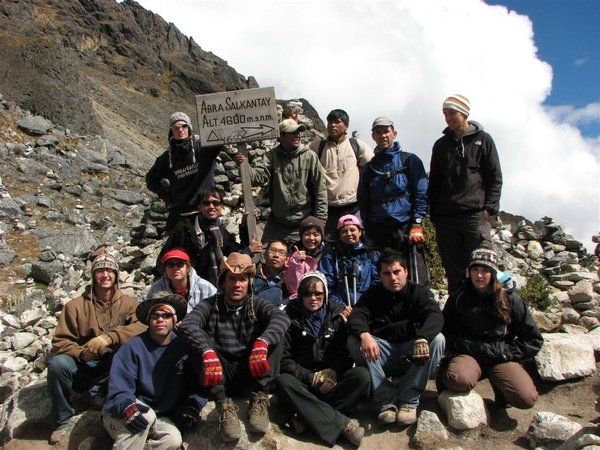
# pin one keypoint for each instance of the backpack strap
(322, 145)
(353, 143)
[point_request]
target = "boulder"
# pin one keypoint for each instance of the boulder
(549, 429)
(464, 410)
(565, 356)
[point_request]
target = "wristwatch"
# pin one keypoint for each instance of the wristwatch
(418, 221)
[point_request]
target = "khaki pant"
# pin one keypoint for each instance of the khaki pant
(509, 380)
(161, 434)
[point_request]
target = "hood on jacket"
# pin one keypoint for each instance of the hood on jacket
(475, 127)
(320, 276)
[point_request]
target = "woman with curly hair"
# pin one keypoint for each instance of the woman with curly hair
(489, 332)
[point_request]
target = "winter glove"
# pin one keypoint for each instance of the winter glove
(188, 418)
(213, 371)
(259, 366)
(100, 344)
(324, 381)
(416, 235)
(133, 418)
(420, 352)
(165, 183)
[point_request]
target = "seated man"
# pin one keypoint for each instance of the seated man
(268, 282)
(317, 380)
(151, 390)
(395, 332)
(235, 341)
(89, 329)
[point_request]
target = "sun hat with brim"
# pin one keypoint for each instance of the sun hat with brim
(178, 303)
(237, 263)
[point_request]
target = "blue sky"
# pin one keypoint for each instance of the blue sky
(531, 75)
(567, 34)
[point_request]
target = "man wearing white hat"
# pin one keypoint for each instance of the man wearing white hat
(465, 181)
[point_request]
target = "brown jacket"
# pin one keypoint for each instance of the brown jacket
(84, 318)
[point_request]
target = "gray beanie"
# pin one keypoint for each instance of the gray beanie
(176, 116)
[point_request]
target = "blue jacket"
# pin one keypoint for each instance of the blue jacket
(388, 190)
(355, 264)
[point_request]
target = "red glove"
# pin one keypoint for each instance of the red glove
(416, 235)
(259, 366)
(213, 371)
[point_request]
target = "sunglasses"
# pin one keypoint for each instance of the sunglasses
(317, 295)
(178, 264)
(159, 315)
(211, 203)
(180, 127)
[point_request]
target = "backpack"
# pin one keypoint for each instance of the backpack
(390, 176)
(353, 143)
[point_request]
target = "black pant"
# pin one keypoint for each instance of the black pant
(322, 412)
(237, 380)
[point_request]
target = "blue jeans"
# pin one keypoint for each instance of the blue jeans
(63, 371)
(409, 380)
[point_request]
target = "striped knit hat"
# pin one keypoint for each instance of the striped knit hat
(459, 103)
(484, 257)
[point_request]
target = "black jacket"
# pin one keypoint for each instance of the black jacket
(473, 327)
(304, 353)
(397, 317)
(465, 174)
(187, 171)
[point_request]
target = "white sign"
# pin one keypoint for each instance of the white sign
(237, 116)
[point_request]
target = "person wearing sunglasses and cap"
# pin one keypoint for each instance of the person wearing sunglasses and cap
(182, 170)
(152, 395)
(180, 278)
(235, 344)
(90, 328)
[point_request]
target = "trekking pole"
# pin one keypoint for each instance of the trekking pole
(355, 270)
(346, 285)
(414, 275)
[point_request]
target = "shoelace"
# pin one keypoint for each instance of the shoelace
(228, 413)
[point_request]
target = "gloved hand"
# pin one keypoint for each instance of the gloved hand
(134, 420)
(416, 235)
(324, 381)
(100, 344)
(259, 366)
(188, 417)
(213, 371)
(420, 352)
(165, 183)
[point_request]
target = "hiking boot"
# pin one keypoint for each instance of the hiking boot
(354, 432)
(57, 434)
(229, 424)
(387, 415)
(258, 412)
(407, 415)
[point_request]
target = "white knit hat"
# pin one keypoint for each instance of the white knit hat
(458, 103)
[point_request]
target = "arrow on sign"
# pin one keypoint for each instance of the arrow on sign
(257, 131)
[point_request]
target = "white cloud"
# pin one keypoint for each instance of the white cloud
(576, 116)
(402, 58)
(581, 61)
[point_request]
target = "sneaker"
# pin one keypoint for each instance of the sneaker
(57, 434)
(354, 432)
(258, 412)
(407, 415)
(229, 424)
(387, 415)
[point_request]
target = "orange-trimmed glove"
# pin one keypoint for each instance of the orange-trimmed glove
(259, 365)
(213, 371)
(416, 234)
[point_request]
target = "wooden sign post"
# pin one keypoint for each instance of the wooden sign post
(237, 117)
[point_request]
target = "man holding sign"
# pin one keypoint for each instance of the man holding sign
(296, 184)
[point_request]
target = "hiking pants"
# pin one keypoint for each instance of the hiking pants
(509, 380)
(457, 236)
(322, 412)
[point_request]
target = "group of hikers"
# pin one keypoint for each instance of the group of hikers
(330, 308)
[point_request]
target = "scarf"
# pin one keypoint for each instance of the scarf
(315, 319)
